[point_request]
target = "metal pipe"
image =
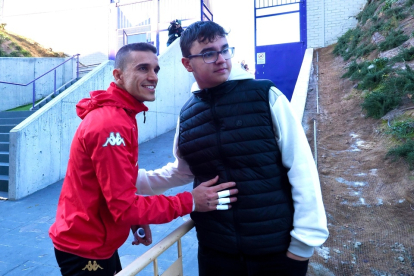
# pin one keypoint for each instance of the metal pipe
(54, 83)
(317, 82)
(315, 143)
(317, 111)
(34, 94)
(77, 67)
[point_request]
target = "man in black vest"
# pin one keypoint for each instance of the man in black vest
(238, 129)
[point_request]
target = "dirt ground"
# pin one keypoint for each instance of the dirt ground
(368, 198)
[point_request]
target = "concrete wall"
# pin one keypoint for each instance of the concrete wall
(329, 19)
(39, 146)
(23, 71)
(173, 90)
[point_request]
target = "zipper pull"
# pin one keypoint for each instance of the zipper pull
(145, 118)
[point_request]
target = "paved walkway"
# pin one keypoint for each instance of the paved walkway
(26, 249)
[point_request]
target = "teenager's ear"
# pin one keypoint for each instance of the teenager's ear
(117, 73)
(186, 62)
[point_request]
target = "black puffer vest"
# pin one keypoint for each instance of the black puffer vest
(227, 131)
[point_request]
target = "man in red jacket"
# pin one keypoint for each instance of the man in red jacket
(98, 203)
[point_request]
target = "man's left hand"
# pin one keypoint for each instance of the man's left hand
(147, 240)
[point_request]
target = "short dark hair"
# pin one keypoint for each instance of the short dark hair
(122, 54)
(200, 31)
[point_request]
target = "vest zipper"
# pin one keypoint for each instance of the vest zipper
(222, 156)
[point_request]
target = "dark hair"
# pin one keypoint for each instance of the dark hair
(123, 52)
(201, 31)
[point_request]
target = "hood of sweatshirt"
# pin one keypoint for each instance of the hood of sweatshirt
(113, 96)
(237, 73)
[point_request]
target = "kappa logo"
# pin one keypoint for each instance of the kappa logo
(91, 266)
(114, 140)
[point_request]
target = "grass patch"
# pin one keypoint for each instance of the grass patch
(25, 107)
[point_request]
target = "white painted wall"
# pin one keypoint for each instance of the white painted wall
(24, 70)
(329, 19)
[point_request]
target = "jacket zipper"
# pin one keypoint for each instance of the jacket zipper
(218, 135)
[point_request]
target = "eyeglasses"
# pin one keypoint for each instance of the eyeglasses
(211, 57)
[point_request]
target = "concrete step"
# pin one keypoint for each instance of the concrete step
(6, 128)
(4, 156)
(4, 137)
(4, 168)
(11, 121)
(15, 114)
(4, 183)
(4, 146)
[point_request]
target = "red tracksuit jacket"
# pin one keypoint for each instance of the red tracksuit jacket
(98, 204)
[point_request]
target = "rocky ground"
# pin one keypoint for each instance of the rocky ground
(368, 198)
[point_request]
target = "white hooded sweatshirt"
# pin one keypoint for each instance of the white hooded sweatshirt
(309, 221)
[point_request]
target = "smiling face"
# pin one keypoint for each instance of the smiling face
(211, 74)
(139, 77)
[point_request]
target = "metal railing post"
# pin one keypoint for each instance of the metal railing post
(77, 66)
(201, 7)
(54, 84)
(156, 267)
(34, 94)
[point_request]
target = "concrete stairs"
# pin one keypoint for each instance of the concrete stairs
(8, 120)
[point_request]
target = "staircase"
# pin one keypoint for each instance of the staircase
(8, 120)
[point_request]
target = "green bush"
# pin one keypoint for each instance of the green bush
(25, 53)
(18, 48)
(393, 39)
(14, 54)
(3, 38)
(406, 151)
(3, 53)
(373, 78)
(388, 4)
(398, 13)
(405, 55)
(402, 83)
(347, 44)
(368, 12)
(364, 49)
(409, 3)
(378, 103)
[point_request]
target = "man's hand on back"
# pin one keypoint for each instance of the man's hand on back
(208, 198)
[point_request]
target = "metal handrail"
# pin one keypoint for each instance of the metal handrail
(53, 69)
(203, 13)
(151, 255)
